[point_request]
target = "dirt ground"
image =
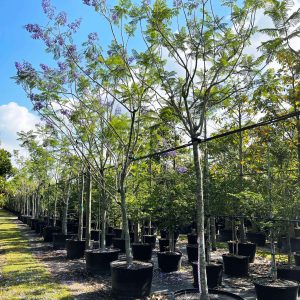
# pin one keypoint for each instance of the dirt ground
(86, 287)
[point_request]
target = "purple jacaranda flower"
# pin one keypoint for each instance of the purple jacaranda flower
(49, 42)
(87, 2)
(130, 59)
(146, 2)
(75, 25)
(60, 40)
(61, 18)
(71, 51)
(164, 142)
(25, 67)
(93, 36)
(36, 30)
(88, 72)
(109, 52)
(114, 17)
(38, 105)
(181, 169)
(118, 110)
(194, 4)
(45, 68)
(50, 86)
(18, 66)
(144, 110)
(109, 103)
(48, 9)
(171, 153)
(65, 112)
(64, 79)
(62, 66)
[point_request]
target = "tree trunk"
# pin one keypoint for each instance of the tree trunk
(171, 240)
(202, 278)
(125, 226)
(65, 210)
(88, 210)
(81, 200)
(213, 234)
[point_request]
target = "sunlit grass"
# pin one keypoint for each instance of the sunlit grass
(22, 276)
(279, 257)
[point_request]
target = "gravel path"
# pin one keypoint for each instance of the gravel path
(86, 287)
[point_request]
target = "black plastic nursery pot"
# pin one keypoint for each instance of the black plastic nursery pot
(193, 294)
(267, 289)
(295, 244)
(118, 232)
(259, 238)
(108, 239)
(192, 238)
(131, 282)
(297, 231)
(75, 248)
(163, 233)
(297, 259)
(33, 224)
(95, 235)
(48, 231)
(192, 252)
(288, 272)
(244, 249)
(119, 244)
(236, 265)
(39, 226)
(98, 261)
(59, 240)
(149, 230)
(141, 252)
(150, 239)
(214, 272)
(164, 244)
(169, 261)
(225, 235)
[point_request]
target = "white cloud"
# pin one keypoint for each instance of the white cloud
(14, 118)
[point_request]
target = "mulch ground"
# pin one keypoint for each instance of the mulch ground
(84, 286)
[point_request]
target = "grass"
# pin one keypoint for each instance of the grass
(279, 257)
(22, 276)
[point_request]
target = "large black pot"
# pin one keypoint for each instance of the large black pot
(214, 274)
(297, 232)
(75, 248)
(98, 261)
(164, 244)
(192, 252)
(59, 240)
(119, 244)
(236, 265)
(141, 252)
(33, 224)
(48, 231)
(131, 283)
(150, 239)
(259, 238)
(266, 289)
(244, 249)
(118, 232)
(288, 272)
(169, 261)
(163, 233)
(109, 239)
(149, 230)
(39, 226)
(295, 244)
(95, 235)
(194, 294)
(225, 235)
(297, 259)
(192, 238)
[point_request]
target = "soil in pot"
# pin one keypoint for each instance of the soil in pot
(75, 248)
(193, 294)
(258, 238)
(131, 282)
(164, 244)
(150, 239)
(119, 244)
(267, 288)
(236, 265)
(244, 249)
(98, 261)
(141, 252)
(169, 261)
(59, 240)
(214, 272)
(48, 231)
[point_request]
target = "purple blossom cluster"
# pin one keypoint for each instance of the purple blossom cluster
(35, 30)
(181, 169)
(24, 67)
(74, 26)
(146, 2)
(60, 40)
(65, 112)
(114, 16)
(171, 153)
(92, 2)
(193, 4)
(62, 66)
(45, 68)
(71, 51)
(131, 59)
(118, 110)
(36, 101)
(61, 18)
(48, 8)
(93, 36)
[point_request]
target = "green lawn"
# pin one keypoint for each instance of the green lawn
(21, 275)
